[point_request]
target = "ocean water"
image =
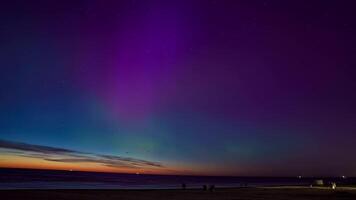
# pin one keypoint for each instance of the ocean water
(46, 179)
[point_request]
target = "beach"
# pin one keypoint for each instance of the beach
(275, 193)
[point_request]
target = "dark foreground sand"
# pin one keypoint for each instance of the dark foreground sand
(238, 193)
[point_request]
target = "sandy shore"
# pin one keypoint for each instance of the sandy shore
(274, 193)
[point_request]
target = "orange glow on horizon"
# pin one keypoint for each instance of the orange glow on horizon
(10, 161)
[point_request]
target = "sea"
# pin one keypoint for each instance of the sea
(50, 179)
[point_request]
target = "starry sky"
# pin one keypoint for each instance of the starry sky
(246, 88)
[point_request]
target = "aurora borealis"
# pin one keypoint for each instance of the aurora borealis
(251, 88)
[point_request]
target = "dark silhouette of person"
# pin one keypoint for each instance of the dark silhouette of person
(205, 187)
(184, 186)
(212, 188)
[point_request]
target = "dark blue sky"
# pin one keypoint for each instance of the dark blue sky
(196, 87)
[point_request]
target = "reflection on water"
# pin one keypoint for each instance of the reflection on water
(44, 179)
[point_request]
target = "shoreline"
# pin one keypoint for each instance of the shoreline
(281, 187)
(343, 187)
(246, 193)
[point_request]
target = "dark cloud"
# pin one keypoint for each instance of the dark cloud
(70, 156)
(106, 162)
(132, 160)
(33, 148)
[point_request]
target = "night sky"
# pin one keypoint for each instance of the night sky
(250, 88)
